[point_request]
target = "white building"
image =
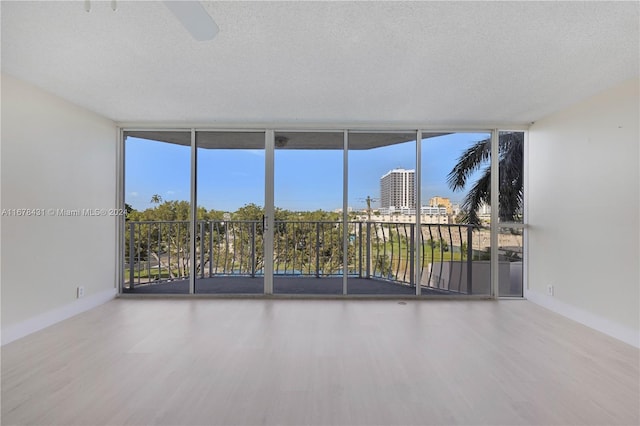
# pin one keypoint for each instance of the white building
(433, 211)
(398, 191)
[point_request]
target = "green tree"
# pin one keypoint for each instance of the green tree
(310, 242)
(128, 210)
(156, 199)
(161, 237)
(510, 161)
(249, 211)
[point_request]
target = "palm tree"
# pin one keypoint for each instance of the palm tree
(510, 149)
(156, 199)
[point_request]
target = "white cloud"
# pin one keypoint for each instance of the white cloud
(256, 152)
(133, 194)
(171, 192)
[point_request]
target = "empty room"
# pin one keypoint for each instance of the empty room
(322, 213)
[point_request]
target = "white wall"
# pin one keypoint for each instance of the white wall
(55, 155)
(583, 205)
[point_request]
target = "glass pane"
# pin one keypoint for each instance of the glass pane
(157, 193)
(455, 213)
(510, 163)
(308, 233)
(510, 251)
(382, 200)
(230, 194)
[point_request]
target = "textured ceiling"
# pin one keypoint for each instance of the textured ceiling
(438, 63)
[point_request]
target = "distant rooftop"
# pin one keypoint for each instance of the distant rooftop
(399, 170)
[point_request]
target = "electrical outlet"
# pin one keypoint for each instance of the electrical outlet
(80, 292)
(549, 290)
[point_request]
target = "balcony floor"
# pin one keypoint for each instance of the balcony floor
(283, 285)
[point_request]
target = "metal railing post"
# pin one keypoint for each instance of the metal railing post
(169, 250)
(411, 255)
(210, 230)
(253, 250)
(132, 251)
(178, 248)
(368, 249)
(398, 251)
(317, 249)
(201, 251)
(360, 249)
(469, 258)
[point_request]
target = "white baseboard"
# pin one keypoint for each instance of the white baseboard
(24, 328)
(603, 325)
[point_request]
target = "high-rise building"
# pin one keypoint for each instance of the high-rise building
(398, 190)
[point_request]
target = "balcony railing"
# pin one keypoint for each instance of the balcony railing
(159, 251)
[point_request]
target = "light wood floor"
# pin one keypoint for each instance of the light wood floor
(322, 362)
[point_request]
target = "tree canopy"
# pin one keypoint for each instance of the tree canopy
(510, 166)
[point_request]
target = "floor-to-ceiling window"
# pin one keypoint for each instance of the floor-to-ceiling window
(229, 245)
(382, 201)
(455, 214)
(262, 211)
(511, 213)
(157, 254)
(308, 234)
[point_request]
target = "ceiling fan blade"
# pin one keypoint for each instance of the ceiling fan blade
(194, 17)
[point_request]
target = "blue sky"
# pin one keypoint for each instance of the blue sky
(304, 179)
